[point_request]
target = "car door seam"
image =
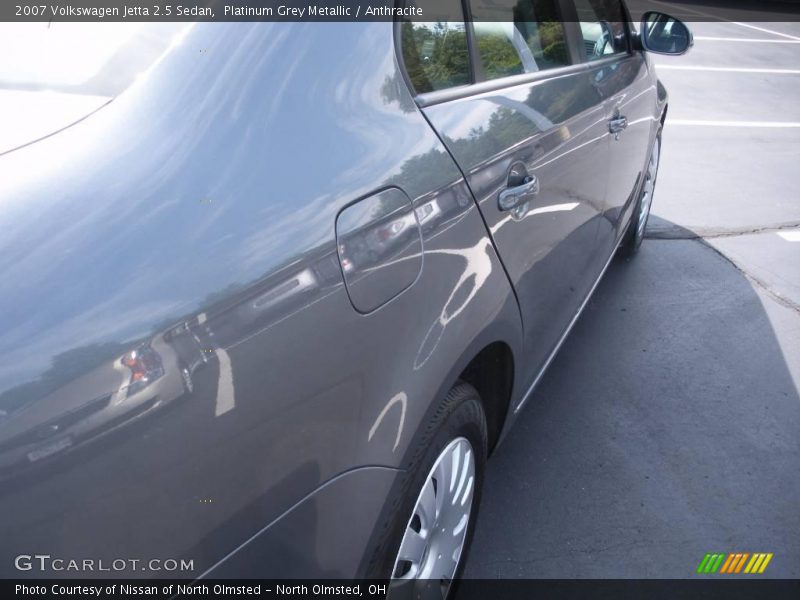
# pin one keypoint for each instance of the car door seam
(486, 227)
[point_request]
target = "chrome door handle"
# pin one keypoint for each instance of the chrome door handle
(618, 124)
(512, 197)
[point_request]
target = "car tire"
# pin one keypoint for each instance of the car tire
(632, 240)
(452, 446)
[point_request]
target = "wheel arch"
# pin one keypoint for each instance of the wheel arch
(491, 373)
(489, 365)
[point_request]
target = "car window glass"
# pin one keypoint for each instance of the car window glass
(435, 51)
(602, 27)
(518, 36)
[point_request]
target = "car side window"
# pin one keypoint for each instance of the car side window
(518, 36)
(602, 27)
(435, 52)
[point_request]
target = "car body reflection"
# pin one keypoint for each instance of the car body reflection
(148, 377)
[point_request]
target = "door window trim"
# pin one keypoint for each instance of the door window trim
(482, 86)
(571, 10)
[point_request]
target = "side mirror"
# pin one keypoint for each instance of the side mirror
(663, 34)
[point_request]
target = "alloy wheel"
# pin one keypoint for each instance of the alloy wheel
(648, 189)
(434, 536)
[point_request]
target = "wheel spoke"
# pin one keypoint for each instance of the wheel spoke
(467, 495)
(412, 547)
(456, 454)
(463, 477)
(461, 525)
(444, 476)
(426, 505)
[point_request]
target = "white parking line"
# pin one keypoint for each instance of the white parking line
(704, 38)
(790, 236)
(662, 66)
(767, 124)
(748, 25)
(718, 18)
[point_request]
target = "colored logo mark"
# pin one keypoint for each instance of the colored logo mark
(734, 563)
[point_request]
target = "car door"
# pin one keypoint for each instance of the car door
(530, 135)
(630, 96)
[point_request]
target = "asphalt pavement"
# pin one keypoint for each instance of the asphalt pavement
(669, 424)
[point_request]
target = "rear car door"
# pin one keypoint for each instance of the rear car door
(529, 132)
(629, 92)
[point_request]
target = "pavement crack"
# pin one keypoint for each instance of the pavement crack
(782, 300)
(676, 232)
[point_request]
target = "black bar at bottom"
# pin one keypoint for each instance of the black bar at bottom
(467, 589)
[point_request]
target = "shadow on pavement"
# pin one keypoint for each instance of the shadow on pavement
(667, 427)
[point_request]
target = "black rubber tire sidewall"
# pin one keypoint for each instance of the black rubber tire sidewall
(631, 243)
(460, 414)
